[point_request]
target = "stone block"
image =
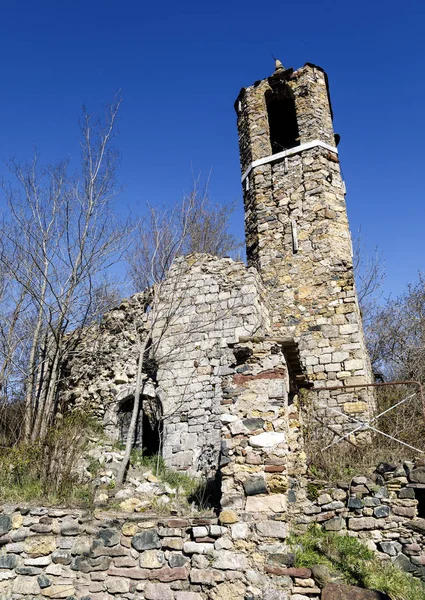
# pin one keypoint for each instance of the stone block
(404, 511)
(227, 560)
(158, 591)
(117, 585)
(228, 516)
(388, 548)
(339, 591)
(25, 585)
(255, 485)
(175, 559)
(40, 546)
(267, 439)
(299, 572)
(201, 531)
(197, 548)
(324, 499)
(362, 523)
(146, 540)
(43, 581)
(355, 503)
(277, 529)
(239, 531)
(382, 511)
(69, 527)
(417, 475)
(5, 524)
(58, 591)
(273, 503)
(152, 559)
(172, 543)
(335, 524)
(206, 576)
(8, 561)
(355, 407)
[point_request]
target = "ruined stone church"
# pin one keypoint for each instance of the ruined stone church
(234, 343)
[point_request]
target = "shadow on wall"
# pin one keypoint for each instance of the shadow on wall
(148, 433)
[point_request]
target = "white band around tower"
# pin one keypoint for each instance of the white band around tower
(285, 153)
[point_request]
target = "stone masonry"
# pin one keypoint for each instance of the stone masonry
(67, 553)
(226, 336)
(206, 304)
(297, 231)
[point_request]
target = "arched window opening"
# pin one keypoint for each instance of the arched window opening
(148, 432)
(282, 117)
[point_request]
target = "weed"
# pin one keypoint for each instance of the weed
(313, 491)
(182, 483)
(357, 564)
(47, 470)
(348, 458)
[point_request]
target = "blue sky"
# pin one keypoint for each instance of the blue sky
(180, 66)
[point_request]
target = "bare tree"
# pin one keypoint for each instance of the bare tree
(369, 271)
(59, 237)
(397, 335)
(161, 240)
(193, 225)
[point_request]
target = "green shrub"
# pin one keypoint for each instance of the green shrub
(355, 563)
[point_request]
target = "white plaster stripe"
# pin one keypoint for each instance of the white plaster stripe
(285, 153)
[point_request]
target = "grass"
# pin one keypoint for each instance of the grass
(189, 489)
(45, 471)
(354, 562)
(179, 481)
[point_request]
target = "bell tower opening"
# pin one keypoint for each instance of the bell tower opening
(282, 116)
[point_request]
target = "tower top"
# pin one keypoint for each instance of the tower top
(278, 65)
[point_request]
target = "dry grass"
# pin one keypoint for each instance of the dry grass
(349, 457)
(47, 470)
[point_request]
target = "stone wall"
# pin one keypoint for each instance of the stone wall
(53, 553)
(67, 553)
(298, 236)
(205, 304)
(255, 428)
(381, 509)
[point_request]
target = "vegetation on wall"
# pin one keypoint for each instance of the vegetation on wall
(350, 561)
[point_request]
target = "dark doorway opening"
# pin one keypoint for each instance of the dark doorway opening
(283, 124)
(148, 433)
(420, 497)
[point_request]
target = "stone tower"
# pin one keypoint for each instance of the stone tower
(297, 231)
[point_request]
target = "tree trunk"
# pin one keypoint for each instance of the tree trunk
(131, 435)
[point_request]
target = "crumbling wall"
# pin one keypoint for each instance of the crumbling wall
(212, 303)
(67, 553)
(204, 304)
(385, 509)
(255, 420)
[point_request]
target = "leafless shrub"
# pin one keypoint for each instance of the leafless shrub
(402, 437)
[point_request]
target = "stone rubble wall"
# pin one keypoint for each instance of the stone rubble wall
(205, 304)
(218, 300)
(259, 445)
(68, 553)
(311, 290)
(102, 366)
(382, 510)
(55, 553)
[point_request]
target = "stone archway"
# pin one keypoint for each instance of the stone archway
(149, 426)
